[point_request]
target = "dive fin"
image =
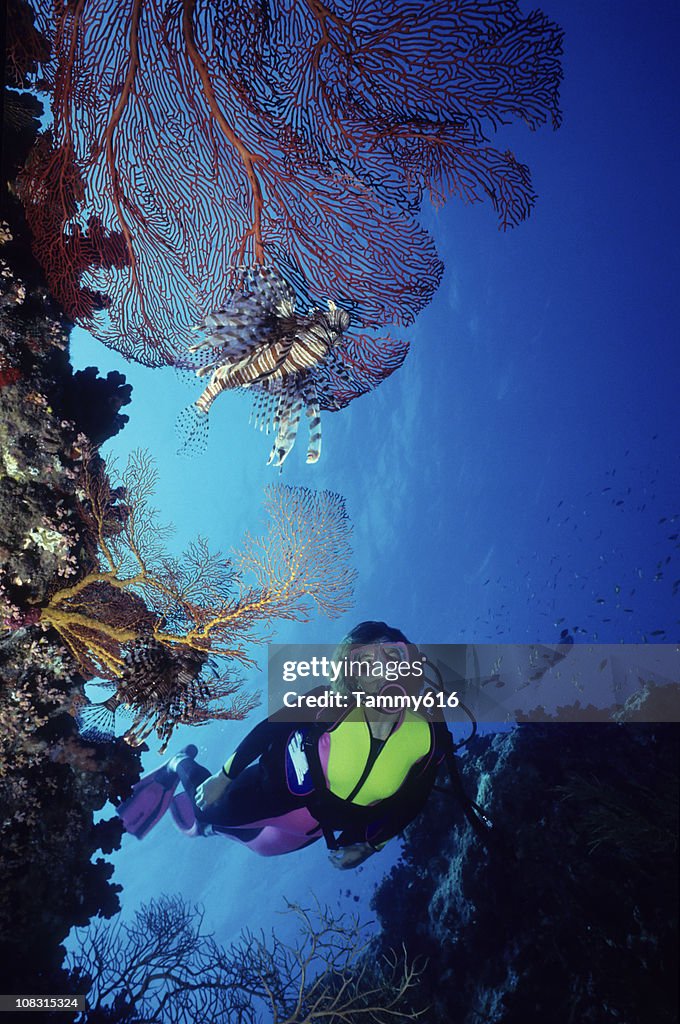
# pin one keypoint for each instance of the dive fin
(152, 795)
(183, 814)
(150, 799)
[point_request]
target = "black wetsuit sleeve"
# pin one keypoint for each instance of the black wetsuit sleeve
(271, 733)
(258, 741)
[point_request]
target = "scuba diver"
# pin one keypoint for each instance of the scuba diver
(365, 775)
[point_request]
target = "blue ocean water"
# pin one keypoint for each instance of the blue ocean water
(519, 474)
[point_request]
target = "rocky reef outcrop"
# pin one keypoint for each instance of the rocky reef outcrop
(569, 914)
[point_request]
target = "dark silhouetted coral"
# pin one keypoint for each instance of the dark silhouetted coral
(164, 966)
(93, 403)
(570, 914)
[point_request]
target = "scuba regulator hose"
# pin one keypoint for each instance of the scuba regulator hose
(481, 824)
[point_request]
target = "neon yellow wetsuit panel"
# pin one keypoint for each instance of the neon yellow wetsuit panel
(350, 745)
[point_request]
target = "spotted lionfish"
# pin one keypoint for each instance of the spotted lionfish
(257, 341)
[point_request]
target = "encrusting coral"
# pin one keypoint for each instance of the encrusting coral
(51, 782)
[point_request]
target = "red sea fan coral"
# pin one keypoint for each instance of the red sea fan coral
(67, 250)
(25, 47)
(193, 136)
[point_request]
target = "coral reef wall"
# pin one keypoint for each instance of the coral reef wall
(51, 783)
(570, 915)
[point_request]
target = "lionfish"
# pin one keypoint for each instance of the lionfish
(159, 687)
(258, 341)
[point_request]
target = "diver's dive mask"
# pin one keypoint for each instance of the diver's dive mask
(384, 669)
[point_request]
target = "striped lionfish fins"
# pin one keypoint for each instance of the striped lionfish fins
(96, 722)
(191, 427)
(259, 299)
(314, 419)
(287, 432)
(314, 447)
(192, 423)
(264, 409)
(286, 422)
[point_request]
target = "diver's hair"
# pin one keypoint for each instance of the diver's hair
(364, 633)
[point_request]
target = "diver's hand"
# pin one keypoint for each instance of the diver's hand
(211, 790)
(350, 856)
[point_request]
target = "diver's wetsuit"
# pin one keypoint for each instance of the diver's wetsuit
(369, 789)
(257, 802)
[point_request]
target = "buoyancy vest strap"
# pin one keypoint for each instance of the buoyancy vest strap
(375, 748)
(310, 746)
(479, 821)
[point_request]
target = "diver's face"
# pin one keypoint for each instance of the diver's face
(369, 677)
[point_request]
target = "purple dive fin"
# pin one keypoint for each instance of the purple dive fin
(183, 814)
(150, 799)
